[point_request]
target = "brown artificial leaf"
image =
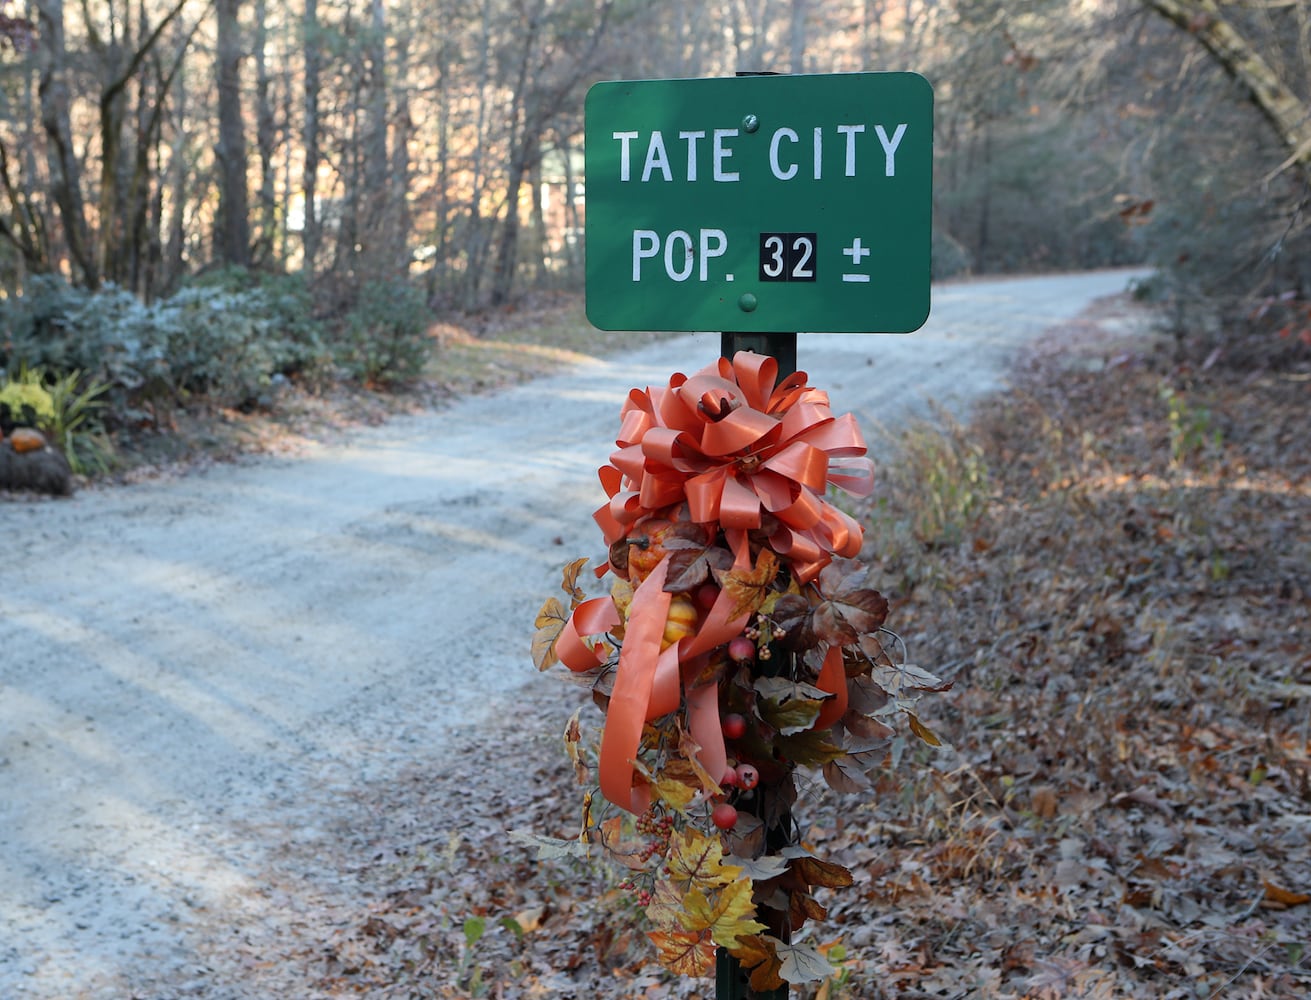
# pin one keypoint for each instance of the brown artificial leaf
(844, 776)
(809, 748)
(749, 588)
(792, 614)
(871, 646)
(664, 907)
(550, 623)
(789, 706)
(866, 697)
(757, 954)
(816, 871)
(693, 562)
(802, 907)
(569, 583)
(848, 610)
(573, 735)
(865, 734)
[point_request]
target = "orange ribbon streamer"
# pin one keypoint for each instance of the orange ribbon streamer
(736, 445)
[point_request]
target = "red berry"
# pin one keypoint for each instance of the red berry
(730, 777)
(706, 595)
(741, 650)
(734, 726)
(747, 776)
(724, 816)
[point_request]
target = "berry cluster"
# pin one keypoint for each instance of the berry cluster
(658, 827)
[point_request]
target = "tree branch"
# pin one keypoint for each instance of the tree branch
(1289, 114)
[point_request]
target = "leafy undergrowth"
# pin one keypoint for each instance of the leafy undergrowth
(1113, 564)
(470, 353)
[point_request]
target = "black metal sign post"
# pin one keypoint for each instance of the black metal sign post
(732, 982)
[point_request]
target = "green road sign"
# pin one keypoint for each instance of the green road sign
(762, 204)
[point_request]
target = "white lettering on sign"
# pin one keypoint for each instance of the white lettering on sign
(721, 245)
(625, 154)
(656, 159)
(890, 147)
(690, 138)
(851, 131)
(646, 244)
(723, 153)
(681, 255)
(782, 160)
(779, 172)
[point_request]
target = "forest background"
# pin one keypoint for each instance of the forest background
(203, 199)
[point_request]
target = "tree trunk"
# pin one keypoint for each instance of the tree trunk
(266, 137)
(399, 179)
(797, 59)
(65, 172)
(310, 232)
(175, 246)
(232, 237)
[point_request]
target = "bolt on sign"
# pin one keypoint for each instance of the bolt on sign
(761, 204)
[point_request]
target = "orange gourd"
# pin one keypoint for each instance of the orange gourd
(24, 439)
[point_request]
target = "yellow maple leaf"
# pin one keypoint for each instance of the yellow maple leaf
(686, 953)
(672, 786)
(665, 906)
(697, 861)
(728, 914)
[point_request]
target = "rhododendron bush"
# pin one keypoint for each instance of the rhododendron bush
(739, 645)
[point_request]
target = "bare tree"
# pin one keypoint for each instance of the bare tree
(65, 169)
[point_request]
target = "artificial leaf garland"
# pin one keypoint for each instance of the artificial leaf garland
(739, 642)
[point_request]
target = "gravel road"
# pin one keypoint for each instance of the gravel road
(192, 670)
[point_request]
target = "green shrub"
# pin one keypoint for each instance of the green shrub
(385, 335)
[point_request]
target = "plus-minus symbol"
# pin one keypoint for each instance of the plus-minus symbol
(857, 252)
